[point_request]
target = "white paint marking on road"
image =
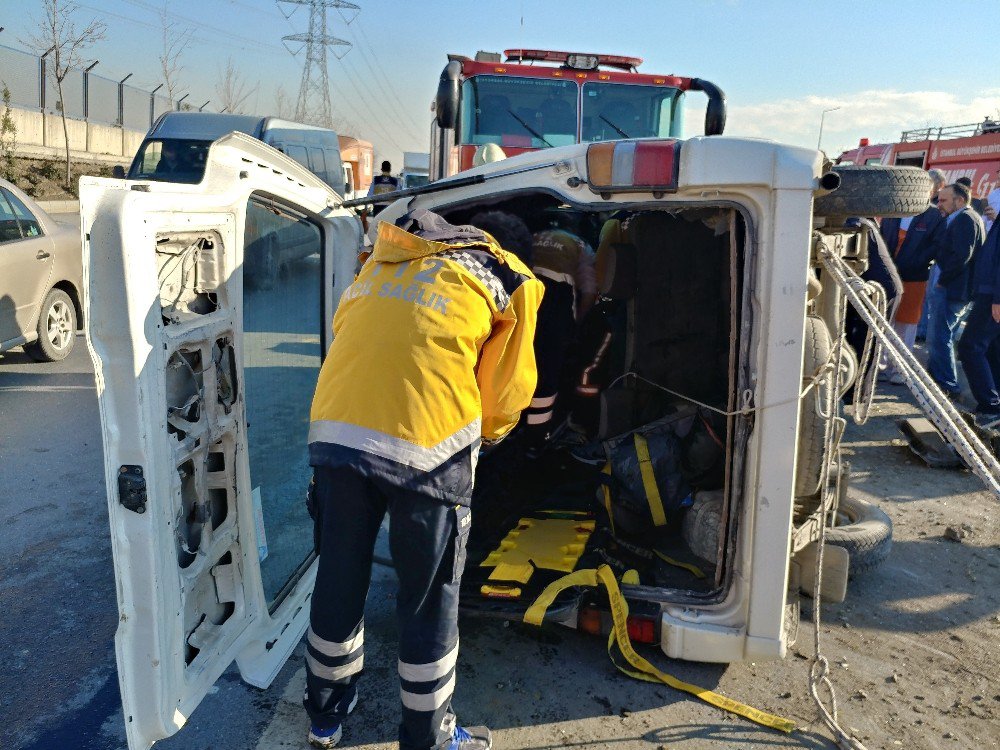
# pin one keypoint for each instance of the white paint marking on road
(44, 388)
(289, 725)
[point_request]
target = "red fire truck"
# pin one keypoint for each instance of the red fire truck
(971, 151)
(542, 98)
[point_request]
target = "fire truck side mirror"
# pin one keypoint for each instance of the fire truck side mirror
(446, 103)
(715, 115)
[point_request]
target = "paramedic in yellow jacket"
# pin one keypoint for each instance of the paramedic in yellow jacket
(432, 355)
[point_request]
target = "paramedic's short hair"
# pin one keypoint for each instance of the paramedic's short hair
(386, 166)
(937, 176)
(507, 229)
(961, 190)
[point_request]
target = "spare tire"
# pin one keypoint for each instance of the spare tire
(809, 451)
(866, 534)
(876, 191)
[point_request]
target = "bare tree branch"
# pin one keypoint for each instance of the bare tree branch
(62, 44)
(283, 106)
(176, 40)
(232, 90)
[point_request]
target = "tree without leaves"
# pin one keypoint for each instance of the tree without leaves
(59, 38)
(282, 103)
(232, 89)
(176, 40)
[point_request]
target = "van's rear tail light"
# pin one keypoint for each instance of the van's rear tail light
(633, 166)
(641, 628)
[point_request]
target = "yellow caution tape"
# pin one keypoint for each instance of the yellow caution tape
(649, 481)
(690, 567)
(643, 670)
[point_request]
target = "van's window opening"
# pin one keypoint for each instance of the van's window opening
(282, 353)
(519, 112)
(171, 160)
(624, 110)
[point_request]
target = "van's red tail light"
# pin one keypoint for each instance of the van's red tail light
(633, 166)
(641, 628)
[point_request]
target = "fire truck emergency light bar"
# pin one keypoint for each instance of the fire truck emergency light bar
(633, 166)
(576, 60)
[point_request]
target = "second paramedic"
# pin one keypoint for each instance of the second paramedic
(432, 355)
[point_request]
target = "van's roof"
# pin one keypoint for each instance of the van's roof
(207, 126)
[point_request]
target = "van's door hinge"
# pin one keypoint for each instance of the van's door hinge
(132, 488)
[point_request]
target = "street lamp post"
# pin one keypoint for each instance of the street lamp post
(821, 118)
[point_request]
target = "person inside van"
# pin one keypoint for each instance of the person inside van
(169, 162)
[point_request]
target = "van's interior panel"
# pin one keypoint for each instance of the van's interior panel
(661, 351)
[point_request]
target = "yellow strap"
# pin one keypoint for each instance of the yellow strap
(649, 481)
(643, 670)
(536, 612)
(690, 567)
(607, 496)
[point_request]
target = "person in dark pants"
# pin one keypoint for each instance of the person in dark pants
(979, 347)
(962, 238)
(382, 184)
(432, 356)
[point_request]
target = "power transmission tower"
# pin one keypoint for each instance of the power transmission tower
(313, 105)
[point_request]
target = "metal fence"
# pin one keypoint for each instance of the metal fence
(86, 96)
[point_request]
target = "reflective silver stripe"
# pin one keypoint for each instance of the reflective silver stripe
(334, 673)
(545, 416)
(435, 670)
(564, 278)
(395, 448)
(541, 403)
(332, 648)
(428, 701)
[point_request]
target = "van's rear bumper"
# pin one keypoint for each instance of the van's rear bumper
(701, 641)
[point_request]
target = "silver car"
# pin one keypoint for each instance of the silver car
(41, 278)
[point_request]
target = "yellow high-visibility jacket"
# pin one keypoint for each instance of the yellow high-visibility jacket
(432, 353)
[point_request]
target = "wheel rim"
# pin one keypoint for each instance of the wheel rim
(59, 325)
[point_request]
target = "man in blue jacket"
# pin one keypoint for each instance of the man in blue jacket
(962, 239)
(979, 348)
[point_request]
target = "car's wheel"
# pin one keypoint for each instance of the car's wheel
(702, 523)
(865, 531)
(56, 328)
(876, 191)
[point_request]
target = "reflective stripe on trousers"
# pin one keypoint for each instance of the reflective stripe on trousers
(427, 539)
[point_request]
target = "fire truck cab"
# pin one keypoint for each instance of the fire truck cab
(542, 98)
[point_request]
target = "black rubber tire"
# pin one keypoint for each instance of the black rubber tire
(43, 349)
(812, 429)
(876, 191)
(867, 536)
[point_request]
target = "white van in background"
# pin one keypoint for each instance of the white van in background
(176, 147)
(176, 150)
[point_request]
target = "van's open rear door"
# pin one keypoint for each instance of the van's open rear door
(205, 370)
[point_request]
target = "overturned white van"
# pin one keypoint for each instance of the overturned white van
(205, 383)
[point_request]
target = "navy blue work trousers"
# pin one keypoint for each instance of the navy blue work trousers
(979, 350)
(427, 538)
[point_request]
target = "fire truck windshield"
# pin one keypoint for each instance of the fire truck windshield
(519, 112)
(626, 110)
(523, 112)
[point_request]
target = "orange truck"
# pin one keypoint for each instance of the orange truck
(358, 158)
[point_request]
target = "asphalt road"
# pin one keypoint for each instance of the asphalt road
(919, 636)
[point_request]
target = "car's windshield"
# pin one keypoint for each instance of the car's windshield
(519, 112)
(171, 160)
(625, 110)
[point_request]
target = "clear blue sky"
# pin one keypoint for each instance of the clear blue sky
(887, 65)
